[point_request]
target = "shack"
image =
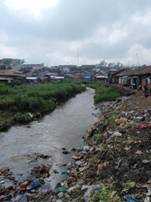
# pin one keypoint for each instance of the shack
(32, 80)
(101, 78)
(11, 76)
(135, 78)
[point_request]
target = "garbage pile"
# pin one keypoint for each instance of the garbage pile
(32, 189)
(115, 165)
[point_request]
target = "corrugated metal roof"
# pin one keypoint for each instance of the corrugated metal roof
(11, 73)
(136, 72)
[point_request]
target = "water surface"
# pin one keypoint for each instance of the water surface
(62, 128)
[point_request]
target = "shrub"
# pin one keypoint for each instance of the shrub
(21, 100)
(103, 93)
(23, 117)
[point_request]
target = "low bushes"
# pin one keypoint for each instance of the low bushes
(106, 94)
(23, 100)
(23, 117)
(103, 93)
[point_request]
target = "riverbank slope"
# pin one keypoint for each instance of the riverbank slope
(25, 103)
(115, 164)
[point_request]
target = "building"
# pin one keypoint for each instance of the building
(113, 76)
(87, 77)
(11, 76)
(102, 78)
(10, 63)
(32, 80)
(135, 78)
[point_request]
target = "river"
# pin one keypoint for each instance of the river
(62, 128)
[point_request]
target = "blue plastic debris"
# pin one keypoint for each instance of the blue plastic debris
(130, 198)
(35, 184)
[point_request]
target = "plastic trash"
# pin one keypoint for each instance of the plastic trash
(35, 184)
(129, 198)
(20, 198)
(61, 189)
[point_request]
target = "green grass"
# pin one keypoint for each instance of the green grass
(103, 93)
(106, 194)
(21, 100)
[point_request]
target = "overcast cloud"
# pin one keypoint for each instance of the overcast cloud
(56, 31)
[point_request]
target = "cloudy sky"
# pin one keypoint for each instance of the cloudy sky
(57, 31)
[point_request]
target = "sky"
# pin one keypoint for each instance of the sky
(76, 31)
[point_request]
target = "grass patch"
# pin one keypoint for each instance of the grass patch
(106, 194)
(25, 102)
(103, 93)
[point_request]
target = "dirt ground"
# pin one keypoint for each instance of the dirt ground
(138, 101)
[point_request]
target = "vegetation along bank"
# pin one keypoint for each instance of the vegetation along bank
(104, 93)
(22, 104)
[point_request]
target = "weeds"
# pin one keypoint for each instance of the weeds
(103, 93)
(22, 100)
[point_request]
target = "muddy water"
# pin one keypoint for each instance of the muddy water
(62, 128)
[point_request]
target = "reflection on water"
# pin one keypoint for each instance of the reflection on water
(62, 128)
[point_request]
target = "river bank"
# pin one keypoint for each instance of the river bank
(115, 164)
(112, 164)
(24, 103)
(106, 92)
(44, 146)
